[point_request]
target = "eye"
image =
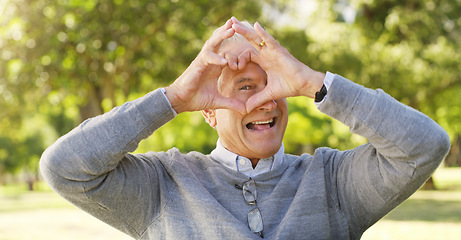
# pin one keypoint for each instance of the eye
(246, 87)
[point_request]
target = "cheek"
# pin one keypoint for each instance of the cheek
(283, 105)
(228, 121)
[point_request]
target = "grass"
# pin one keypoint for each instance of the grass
(45, 215)
(17, 198)
(426, 214)
(448, 179)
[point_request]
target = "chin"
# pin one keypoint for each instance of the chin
(265, 150)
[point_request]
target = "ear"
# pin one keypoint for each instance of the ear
(210, 117)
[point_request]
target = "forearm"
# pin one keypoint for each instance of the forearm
(97, 145)
(405, 147)
(90, 166)
(392, 127)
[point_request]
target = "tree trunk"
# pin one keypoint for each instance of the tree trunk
(96, 94)
(93, 105)
(453, 158)
(30, 184)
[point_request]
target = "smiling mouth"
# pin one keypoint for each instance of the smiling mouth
(261, 125)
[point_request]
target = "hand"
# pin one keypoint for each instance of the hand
(287, 76)
(197, 88)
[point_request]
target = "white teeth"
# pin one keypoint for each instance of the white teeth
(263, 122)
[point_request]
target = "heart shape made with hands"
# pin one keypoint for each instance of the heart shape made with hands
(200, 85)
(239, 65)
(286, 75)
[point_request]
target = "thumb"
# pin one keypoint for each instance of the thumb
(231, 104)
(259, 99)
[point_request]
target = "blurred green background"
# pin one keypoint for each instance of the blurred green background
(63, 61)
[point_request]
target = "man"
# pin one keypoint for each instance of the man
(247, 188)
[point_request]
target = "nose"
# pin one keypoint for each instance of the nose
(268, 106)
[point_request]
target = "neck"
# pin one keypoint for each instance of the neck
(254, 162)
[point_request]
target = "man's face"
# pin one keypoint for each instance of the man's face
(259, 133)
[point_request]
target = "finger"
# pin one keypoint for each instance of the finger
(243, 59)
(249, 33)
(230, 103)
(212, 58)
(208, 55)
(265, 36)
(223, 28)
(232, 60)
(219, 35)
(259, 99)
(256, 58)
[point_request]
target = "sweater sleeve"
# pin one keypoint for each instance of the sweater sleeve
(405, 147)
(90, 166)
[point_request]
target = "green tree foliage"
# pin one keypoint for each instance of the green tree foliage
(411, 49)
(64, 61)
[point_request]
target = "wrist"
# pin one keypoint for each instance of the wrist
(314, 83)
(318, 81)
(171, 93)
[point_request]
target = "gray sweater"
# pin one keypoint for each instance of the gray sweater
(169, 195)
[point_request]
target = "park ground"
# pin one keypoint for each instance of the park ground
(42, 214)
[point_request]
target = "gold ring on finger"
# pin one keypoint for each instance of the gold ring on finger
(262, 43)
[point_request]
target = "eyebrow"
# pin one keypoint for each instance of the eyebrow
(244, 79)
